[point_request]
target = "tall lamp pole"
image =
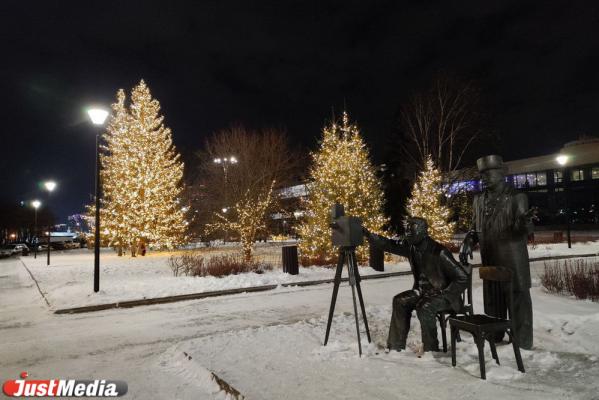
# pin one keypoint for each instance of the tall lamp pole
(97, 116)
(225, 162)
(563, 160)
(50, 186)
(35, 204)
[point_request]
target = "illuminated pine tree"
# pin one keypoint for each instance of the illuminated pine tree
(341, 172)
(114, 210)
(425, 202)
(141, 176)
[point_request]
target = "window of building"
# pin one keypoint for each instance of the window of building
(530, 179)
(577, 174)
(558, 176)
(595, 173)
(542, 178)
(520, 181)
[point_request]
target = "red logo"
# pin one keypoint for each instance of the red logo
(63, 387)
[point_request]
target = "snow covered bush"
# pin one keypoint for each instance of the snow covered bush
(193, 263)
(578, 277)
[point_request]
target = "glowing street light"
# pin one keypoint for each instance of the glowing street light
(35, 204)
(98, 117)
(50, 186)
(225, 162)
(562, 159)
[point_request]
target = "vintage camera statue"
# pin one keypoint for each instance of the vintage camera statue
(346, 235)
(346, 231)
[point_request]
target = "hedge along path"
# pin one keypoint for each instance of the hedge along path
(217, 293)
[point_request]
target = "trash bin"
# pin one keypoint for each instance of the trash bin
(25, 251)
(290, 264)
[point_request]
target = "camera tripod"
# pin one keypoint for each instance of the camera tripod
(348, 255)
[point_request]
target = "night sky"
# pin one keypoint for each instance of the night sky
(282, 64)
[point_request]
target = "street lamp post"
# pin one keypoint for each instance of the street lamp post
(225, 162)
(35, 204)
(97, 116)
(50, 186)
(563, 160)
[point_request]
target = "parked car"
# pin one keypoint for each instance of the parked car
(18, 248)
(21, 248)
(6, 251)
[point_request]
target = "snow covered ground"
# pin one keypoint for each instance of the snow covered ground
(68, 281)
(269, 346)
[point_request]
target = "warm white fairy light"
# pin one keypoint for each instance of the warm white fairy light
(425, 202)
(247, 218)
(141, 176)
(341, 172)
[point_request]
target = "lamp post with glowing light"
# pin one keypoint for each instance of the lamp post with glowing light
(562, 160)
(97, 116)
(49, 186)
(225, 162)
(35, 204)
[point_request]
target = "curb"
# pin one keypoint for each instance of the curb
(252, 289)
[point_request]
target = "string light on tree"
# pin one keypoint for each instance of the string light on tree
(425, 202)
(341, 172)
(141, 176)
(247, 218)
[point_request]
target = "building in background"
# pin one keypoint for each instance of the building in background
(554, 181)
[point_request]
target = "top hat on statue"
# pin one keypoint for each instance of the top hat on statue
(489, 162)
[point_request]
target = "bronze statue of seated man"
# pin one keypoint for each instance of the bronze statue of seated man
(439, 281)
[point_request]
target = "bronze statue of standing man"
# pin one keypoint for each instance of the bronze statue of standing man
(501, 224)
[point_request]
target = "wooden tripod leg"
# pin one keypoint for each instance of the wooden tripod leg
(336, 284)
(359, 288)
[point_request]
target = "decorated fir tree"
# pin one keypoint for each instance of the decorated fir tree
(141, 176)
(425, 202)
(341, 172)
(114, 209)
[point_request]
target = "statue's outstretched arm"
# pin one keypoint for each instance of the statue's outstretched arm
(388, 245)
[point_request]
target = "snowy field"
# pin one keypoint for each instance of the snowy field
(68, 281)
(269, 346)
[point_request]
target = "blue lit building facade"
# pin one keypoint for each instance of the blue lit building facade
(555, 181)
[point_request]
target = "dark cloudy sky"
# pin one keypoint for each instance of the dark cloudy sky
(282, 63)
